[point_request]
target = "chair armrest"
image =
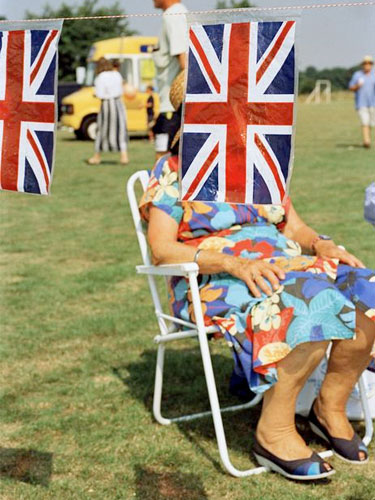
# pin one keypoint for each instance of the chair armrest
(183, 269)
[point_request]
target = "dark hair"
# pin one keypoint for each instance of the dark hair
(150, 87)
(103, 65)
(116, 63)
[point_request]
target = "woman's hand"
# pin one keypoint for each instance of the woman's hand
(327, 249)
(254, 273)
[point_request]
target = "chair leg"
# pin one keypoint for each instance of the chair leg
(217, 418)
(369, 432)
(158, 388)
(211, 387)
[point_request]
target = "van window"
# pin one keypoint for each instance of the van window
(90, 73)
(127, 72)
(146, 70)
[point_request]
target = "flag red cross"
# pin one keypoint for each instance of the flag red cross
(14, 110)
(237, 112)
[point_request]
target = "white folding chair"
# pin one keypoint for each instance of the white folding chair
(168, 332)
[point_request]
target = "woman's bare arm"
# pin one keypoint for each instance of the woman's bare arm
(297, 230)
(165, 249)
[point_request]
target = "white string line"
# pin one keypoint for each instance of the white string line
(126, 16)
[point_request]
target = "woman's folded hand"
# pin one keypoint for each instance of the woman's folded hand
(329, 250)
(255, 273)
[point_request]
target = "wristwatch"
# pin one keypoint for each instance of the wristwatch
(323, 237)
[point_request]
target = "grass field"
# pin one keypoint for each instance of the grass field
(76, 351)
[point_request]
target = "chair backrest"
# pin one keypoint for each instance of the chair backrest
(142, 176)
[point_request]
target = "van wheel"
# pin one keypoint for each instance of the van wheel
(88, 128)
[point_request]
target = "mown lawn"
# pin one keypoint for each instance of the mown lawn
(76, 351)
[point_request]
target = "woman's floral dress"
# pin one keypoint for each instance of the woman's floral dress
(316, 300)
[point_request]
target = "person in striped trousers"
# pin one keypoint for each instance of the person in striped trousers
(112, 134)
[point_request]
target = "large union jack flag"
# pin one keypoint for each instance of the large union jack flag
(238, 117)
(28, 63)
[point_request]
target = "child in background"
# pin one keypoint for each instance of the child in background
(150, 112)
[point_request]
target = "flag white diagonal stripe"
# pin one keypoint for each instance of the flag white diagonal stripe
(277, 62)
(264, 170)
(220, 69)
(273, 157)
(30, 89)
(217, 136)
(41, 151)
(205, 176)
(27, 153)
(209, 52)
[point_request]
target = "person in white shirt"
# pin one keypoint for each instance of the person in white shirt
(112, 130)
(169, 60)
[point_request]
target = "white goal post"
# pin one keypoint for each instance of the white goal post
(321, 92)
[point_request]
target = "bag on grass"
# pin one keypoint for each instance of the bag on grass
(369, 210)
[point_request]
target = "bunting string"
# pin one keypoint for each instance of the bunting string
(156, 14)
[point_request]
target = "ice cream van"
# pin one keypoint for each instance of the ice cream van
(134, 54)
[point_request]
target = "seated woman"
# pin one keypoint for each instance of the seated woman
(279, 293)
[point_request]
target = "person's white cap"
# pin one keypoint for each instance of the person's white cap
(368, 59)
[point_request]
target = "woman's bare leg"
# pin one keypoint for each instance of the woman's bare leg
(276, 430)
(124, 157)
(347, 361)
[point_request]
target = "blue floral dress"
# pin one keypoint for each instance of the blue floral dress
(316, 300)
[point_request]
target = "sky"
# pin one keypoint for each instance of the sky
(328, 37)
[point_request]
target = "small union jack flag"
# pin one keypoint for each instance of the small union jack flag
(28, 64)
(238, 117)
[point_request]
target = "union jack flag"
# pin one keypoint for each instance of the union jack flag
(238, 116)
(28, 63)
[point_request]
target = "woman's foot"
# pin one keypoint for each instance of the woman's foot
(306, 469)
(285, 443)
(336, 422)
(335, 426)
(124, 160)
(94, 160)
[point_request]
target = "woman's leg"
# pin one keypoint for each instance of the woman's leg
(276, 430)
(347, 361)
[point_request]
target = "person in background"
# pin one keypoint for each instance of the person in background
(112, 130)
(150, 112)
(116, 65)
(169, 58)
(363, 84)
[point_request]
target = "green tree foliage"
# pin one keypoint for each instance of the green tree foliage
(233, 4)
(78, 36)
(339, 78)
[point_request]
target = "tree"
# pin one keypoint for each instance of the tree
(78, 36)
(234, 4)
(339, 78)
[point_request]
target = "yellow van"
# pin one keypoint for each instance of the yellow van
(79, 110)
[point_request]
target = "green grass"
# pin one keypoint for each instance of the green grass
(77, 358)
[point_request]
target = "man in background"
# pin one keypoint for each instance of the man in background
(363, 84)
(150, 112)
(169, 59)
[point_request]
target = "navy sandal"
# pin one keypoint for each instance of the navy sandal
(306, 469)
(346, 449)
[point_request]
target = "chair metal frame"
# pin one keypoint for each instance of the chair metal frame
(168, 333)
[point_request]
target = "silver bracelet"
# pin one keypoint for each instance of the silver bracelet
(197, 255)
